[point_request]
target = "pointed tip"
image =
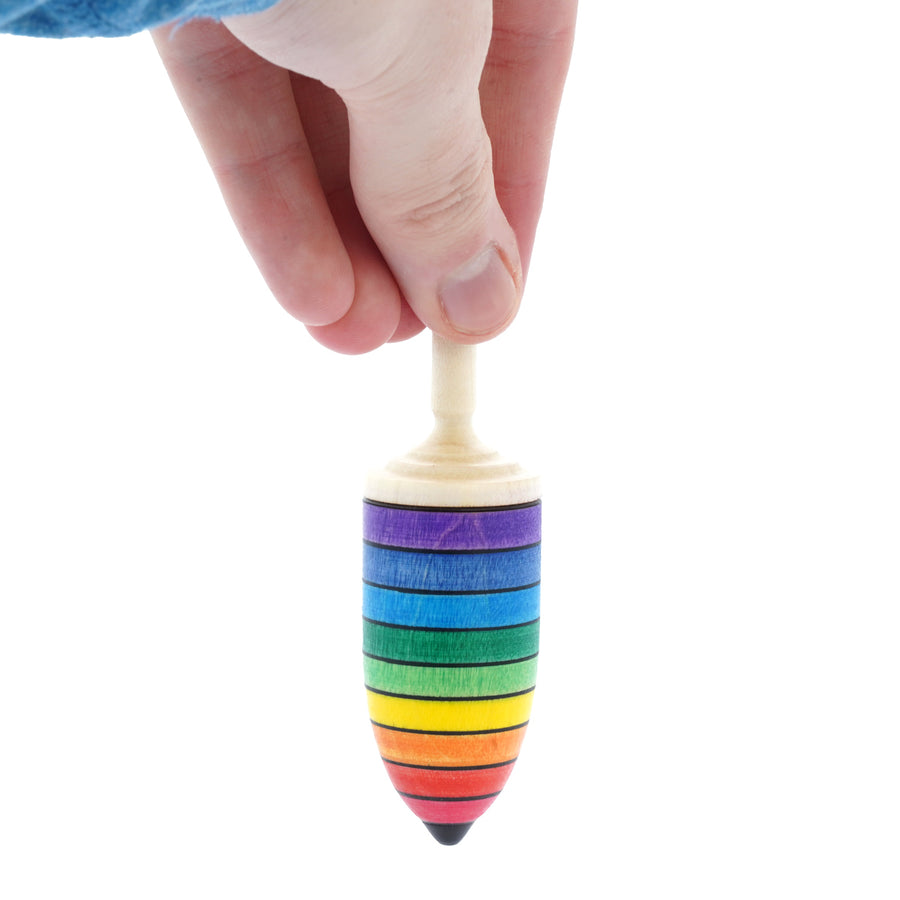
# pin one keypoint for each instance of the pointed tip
(448, 834)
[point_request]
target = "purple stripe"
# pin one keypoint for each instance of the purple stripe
(421, 529)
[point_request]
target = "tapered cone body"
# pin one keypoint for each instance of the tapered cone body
(451, 608)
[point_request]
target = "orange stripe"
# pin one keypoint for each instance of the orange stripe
(448, 749)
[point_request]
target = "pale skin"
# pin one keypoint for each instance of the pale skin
(384, 161)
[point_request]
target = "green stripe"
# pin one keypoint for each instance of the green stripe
(450, 647)
(431, 681)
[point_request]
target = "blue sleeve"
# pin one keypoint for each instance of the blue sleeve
(111, 18)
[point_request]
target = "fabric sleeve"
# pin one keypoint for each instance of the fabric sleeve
(111, 18)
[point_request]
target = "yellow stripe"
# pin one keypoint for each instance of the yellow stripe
(449, 715)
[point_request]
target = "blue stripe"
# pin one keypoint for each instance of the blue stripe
(451, 611)
(485, 572)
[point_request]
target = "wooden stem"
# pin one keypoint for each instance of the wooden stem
(452, 467)
(452, 391)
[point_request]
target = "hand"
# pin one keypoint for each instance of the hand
(384, 161)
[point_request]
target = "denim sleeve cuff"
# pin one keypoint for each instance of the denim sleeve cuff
(111, 18)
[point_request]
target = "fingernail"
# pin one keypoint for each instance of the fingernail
(480, 295)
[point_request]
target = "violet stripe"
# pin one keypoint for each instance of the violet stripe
(427, 529)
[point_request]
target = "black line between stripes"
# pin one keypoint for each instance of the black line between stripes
(496, 765)
(448, 799)
(449, 665)
(434, 593)
(449, 733)
(451, 630)
(452, 509)
(462, 552)
(451, 699)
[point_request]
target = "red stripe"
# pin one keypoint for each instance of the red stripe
(448, 783)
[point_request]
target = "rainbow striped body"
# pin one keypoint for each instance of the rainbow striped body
(451, 606)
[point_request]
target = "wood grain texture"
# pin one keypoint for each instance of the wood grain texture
(451, 606)
(451, 609)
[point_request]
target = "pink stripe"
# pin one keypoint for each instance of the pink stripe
(448, 812)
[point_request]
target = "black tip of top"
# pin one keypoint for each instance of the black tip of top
(448, 834)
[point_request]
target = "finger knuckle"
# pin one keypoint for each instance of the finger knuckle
(450, 204)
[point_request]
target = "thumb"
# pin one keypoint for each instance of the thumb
(422, 176)
(420, 156)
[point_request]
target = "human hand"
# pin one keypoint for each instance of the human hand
(353, 148)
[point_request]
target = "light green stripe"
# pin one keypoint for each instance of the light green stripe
(430, 681)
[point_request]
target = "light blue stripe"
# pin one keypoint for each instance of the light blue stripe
(448, 572)
(451, 611)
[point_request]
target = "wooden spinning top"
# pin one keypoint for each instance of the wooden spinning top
(451, 606)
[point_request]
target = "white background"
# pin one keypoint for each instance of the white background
(706, 372)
